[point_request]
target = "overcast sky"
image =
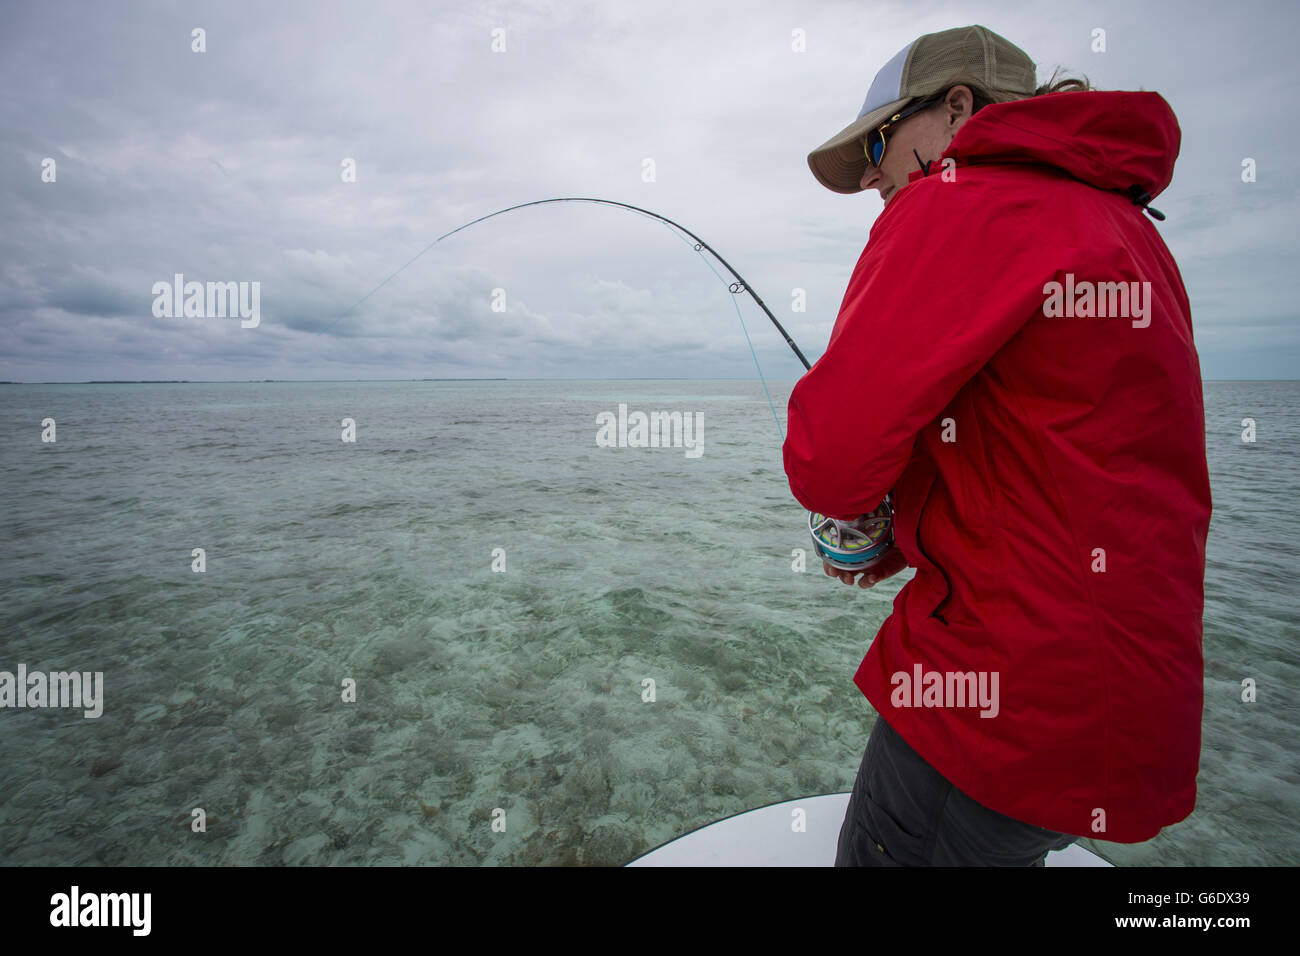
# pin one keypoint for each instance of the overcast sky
(226, 165)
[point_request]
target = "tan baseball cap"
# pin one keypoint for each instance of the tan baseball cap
(928, 65)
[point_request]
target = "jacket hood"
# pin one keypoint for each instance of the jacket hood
(1111, 140)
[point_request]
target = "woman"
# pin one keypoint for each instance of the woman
(1013, 358)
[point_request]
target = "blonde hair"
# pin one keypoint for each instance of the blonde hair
(1057, 84)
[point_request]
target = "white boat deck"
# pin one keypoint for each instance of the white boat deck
(766, 837)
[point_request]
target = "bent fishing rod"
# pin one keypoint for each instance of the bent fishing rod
(847, 545)
(740, 285)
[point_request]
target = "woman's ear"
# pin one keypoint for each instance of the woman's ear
(958, 105)
(960, 102)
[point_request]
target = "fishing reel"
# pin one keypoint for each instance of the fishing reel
(854, 545)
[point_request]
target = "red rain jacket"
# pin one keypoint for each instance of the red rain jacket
(1049, 472)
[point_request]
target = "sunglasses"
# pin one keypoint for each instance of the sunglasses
(874, 143)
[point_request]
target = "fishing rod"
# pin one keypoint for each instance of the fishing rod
(740, 285)
(846, 545)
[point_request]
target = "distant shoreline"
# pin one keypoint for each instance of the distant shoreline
(251, 381)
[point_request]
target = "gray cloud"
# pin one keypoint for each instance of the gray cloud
(226, 165)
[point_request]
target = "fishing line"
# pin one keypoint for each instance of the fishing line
(849, 545)
(698, 244)
(735, 289)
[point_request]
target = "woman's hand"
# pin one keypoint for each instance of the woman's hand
(889, 565)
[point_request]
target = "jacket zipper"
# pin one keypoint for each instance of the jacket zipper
(946, 580)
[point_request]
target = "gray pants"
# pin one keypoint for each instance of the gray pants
(904, 813)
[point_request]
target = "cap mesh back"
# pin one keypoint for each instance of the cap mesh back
(967, 55)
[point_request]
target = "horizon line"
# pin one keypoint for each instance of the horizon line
(501, 378)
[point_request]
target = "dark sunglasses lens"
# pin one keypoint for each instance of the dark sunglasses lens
(875, 147)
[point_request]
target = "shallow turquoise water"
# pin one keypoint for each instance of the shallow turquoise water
(520, 690)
